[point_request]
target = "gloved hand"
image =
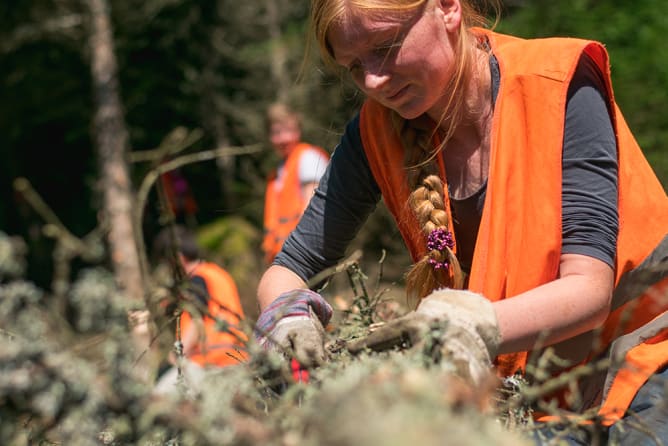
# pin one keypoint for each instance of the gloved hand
(293, 325)
(454, 325)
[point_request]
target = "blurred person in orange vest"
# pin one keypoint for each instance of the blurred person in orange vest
(531, 214)
(292, 184)
(211, 314)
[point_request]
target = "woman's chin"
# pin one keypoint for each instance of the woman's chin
(408, 110)
(409, 113)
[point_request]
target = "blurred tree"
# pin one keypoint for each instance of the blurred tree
(111, 137)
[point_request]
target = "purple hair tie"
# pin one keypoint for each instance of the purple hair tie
(438, 240)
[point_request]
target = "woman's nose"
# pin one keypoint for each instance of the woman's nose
(375, 80)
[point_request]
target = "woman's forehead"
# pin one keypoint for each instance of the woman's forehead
(362, 29)
(347, 37)
(351, 12)
(358, 29)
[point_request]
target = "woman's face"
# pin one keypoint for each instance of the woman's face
(403, 62)
(284, 135)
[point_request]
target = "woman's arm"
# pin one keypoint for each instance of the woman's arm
(578, 301)
(275, 281)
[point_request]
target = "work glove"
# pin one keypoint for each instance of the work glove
(293, 326)
(449, 325)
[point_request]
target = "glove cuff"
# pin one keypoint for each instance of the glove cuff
(469, 309)
(299, 302)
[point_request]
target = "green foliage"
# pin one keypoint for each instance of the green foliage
(234, 243)
(228, 237)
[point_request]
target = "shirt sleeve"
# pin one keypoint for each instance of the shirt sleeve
(347, 194)
(312, 165)
(589, 189)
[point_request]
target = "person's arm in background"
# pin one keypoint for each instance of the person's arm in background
(190, 339)
(193, 336)
(312, 166)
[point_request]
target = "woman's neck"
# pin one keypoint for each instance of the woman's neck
(466, 153)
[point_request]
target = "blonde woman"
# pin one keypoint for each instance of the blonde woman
(520, 192)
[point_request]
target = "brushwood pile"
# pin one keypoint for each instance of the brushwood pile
(69, 375)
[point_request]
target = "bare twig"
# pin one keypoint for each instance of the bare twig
(533, 393)
(57, 229)
(332, 270)
(176, 141)
(36, 31)
(152, 176)
(381, 262)
(68, 246)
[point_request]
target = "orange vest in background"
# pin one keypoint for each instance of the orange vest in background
(218, 348)
(283, 203)
(519, 241)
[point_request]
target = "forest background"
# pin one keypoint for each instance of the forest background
(208, 69)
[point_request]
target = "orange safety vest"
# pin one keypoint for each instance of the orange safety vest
(284, 204)
(519, 241)
(218, 348)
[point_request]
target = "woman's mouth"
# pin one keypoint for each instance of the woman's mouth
(397, 95)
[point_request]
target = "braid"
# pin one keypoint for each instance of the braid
(428, 204)
(439, 267)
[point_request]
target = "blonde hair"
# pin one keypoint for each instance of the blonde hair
(279, 112)
(427, 199)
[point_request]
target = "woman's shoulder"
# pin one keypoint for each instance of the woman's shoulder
(498, 40)
(549, 57)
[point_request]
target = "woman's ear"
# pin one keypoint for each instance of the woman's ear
(452, 13)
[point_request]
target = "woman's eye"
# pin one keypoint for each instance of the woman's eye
(355, 68)
(387, 48)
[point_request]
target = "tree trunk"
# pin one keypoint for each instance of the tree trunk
(111, 138)
(278, 55)
(112, 143)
